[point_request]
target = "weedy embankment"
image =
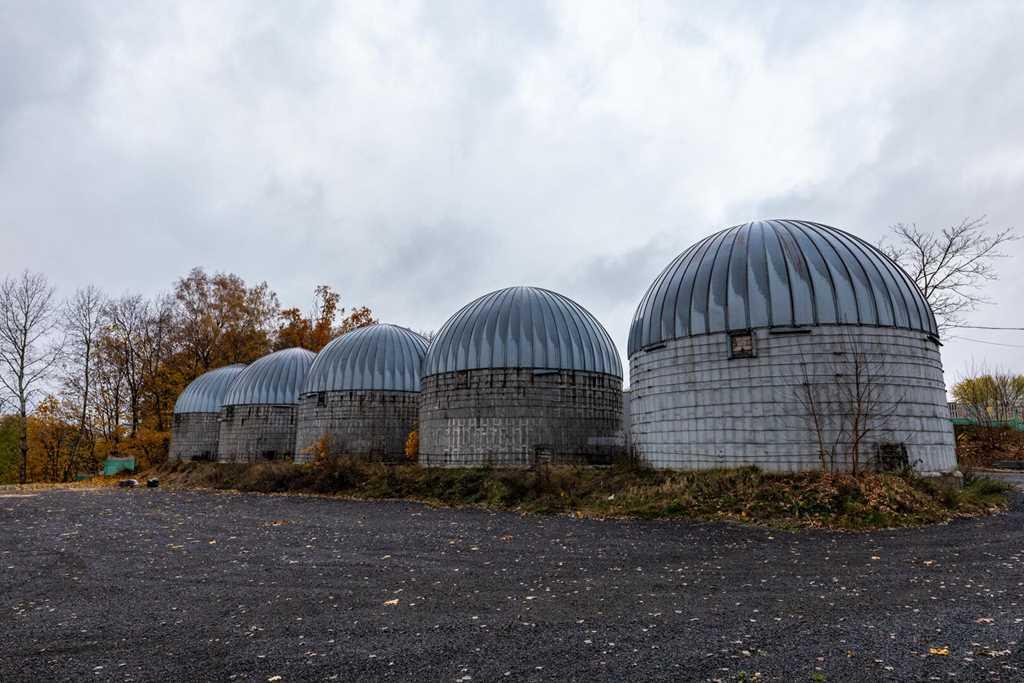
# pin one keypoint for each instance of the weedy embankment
(867, 501)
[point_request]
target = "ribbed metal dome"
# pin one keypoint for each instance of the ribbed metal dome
(205, 394)
(374, 358)
(275, 379)
(777, 273)
(522, 327)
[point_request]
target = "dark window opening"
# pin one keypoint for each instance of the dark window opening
(891, 457)
(741, 345)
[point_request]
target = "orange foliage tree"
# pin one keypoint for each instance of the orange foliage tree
(315, 330)
(221, 320)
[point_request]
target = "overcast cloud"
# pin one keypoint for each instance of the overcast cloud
(416, 155)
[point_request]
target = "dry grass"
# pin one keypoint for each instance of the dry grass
(811, 499)
(979, 447)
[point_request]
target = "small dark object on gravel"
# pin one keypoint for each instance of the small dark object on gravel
(128, 483)
(152, 483)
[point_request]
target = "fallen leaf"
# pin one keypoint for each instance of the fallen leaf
(940, 651)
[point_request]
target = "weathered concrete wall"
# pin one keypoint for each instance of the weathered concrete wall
(627, 422)
(694, 407)
(194, 436)
(369, 423)
(520, 417)
(256, 432)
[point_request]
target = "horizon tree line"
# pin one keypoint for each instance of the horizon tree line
(96, 375)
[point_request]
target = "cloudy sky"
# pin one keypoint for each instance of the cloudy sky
(417, 154)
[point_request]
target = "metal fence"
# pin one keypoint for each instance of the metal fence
(962, 413)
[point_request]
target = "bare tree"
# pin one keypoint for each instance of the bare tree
(83, 324)
(847, 403)
(127, 317)
(109, 399)
(950, 266)
(810, 396)
(156, 348)
(29, 349)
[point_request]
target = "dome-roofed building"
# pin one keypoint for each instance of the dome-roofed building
(196, 422)
(258, 415)
(787, 344)
(518, 376)
(361, 395)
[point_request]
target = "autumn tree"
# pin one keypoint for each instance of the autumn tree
(221, 320)
(314, 330)
(29, 346)
(51, 434)
(950, 266)
(990, 398)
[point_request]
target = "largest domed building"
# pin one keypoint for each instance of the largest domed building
(520, 376)
(788, 345)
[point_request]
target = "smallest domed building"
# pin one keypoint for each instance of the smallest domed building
(196, 423)
(258, 420)
(362, 394)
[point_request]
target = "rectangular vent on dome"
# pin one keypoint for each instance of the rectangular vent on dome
(741, 345)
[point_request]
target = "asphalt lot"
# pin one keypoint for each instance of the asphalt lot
(165, 585)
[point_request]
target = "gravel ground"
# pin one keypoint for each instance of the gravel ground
(160, 585)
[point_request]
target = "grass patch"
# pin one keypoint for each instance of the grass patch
(810, 499)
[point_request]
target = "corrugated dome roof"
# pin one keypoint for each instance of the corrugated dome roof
(275, 379)
(378, 357)
(777, 273)
(522, 327)
(205, 394)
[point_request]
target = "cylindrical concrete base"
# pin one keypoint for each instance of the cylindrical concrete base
(520, 417)
(694, 406)
(365, 423)
(249, 433)
(194, 436)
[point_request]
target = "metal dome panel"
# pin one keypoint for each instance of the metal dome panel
(205, 394)
(275, 379)
(522, 327)
(378, 357)
(777, 273)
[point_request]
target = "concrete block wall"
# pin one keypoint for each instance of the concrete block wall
(695, 407)
(369, 423)
(519, 417)
(194, 436)
(249, 433)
